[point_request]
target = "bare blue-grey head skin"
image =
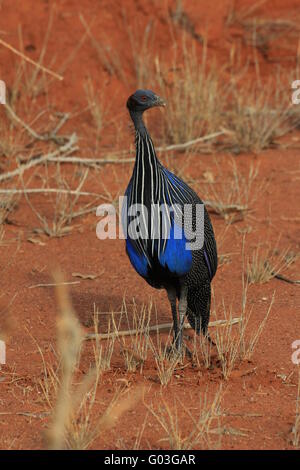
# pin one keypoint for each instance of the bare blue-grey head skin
(139, 102)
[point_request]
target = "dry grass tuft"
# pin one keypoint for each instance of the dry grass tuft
(257, 117)
(166, 357)
(296, 427)
(106, 54)
(237, 345)
(1, 234)
(97, 110)
(134, 349)
(141, 52)
(204, 427)
(261, 32)
(266, 263)
(195, 96)
(11, 142)
(233, 196)
(103, 350)
(62, 212)
(252, 117)
(7, 205)
(202, 349)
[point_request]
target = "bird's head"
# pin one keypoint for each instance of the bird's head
(142, 100)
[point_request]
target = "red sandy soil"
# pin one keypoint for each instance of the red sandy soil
(260, 396)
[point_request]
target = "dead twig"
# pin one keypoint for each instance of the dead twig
(59, 140)
(212, 204)
(39, 66)
(105, 161)
(225, 208)
(191, 142)
(70, 192)
(66, 149)
(90, 161)
(70, 147)
(163, 326)
(41, 415)
(54, 284)
(286, 279)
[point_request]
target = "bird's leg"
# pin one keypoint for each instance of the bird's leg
(209, 339)
(204, 324)
(182, 306)
(172, 299)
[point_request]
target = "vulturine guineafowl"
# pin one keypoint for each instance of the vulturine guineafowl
(158, 246)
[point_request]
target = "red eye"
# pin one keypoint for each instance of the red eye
(143, 98)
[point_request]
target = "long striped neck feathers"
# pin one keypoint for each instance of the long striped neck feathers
(145, 152)
(146, 162)
(137, 118)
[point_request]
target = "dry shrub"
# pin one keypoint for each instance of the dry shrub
(195, 97)
(261, 32)
(201, 101)
(257, 116)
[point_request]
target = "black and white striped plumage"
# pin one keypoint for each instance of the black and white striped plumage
(163, 260)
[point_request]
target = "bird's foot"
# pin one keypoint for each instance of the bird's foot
(188, 351)
(179, 352)
(210, 340)
(172, 351)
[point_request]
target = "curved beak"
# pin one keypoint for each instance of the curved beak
(159, 101)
